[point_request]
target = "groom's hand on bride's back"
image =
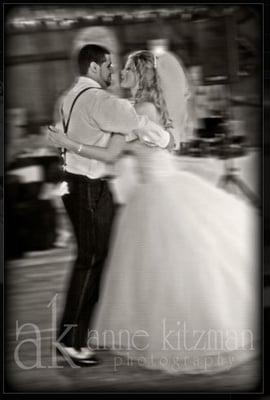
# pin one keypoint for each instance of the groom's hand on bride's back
(53, 136)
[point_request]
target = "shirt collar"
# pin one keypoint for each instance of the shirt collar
(86, 79)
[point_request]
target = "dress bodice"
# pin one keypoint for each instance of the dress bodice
(153, 163)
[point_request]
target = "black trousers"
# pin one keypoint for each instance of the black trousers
(90, 208)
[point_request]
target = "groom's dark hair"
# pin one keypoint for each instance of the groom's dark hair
(89, 53)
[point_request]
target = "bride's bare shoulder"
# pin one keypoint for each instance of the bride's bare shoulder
(149, 109)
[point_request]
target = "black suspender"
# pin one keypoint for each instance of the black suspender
(66, 123)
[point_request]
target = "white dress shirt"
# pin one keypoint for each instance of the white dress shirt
(96, 114)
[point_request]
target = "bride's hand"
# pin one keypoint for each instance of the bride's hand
(57, 137)
(171, 144)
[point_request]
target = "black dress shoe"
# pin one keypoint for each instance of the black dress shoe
(80, 358)
(87, 362)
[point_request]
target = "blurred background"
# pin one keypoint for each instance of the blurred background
(220, 47)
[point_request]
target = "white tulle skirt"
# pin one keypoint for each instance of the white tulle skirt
(180, 291)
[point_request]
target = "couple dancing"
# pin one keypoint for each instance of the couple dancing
(179, 291)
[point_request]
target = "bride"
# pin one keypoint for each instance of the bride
(180, 292)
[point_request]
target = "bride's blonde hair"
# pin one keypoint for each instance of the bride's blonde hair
(149, 87)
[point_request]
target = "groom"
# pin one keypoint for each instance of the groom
(89, 115)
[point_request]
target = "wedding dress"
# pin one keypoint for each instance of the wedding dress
(180, 291)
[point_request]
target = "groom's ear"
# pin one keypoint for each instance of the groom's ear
(93, 67)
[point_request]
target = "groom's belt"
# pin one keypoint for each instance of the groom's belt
(85, 178)
(107, 177)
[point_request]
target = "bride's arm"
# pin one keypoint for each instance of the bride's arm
(161, 138)
(148, 109)
(107, 154)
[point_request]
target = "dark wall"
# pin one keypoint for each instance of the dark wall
(38, 69)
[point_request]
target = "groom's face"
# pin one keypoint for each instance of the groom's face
(105, 72)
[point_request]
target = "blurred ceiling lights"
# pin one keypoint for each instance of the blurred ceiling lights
(24, 19)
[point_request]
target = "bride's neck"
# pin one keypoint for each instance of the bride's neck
(133, 91)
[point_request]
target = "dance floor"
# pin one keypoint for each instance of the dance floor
(34, 292)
